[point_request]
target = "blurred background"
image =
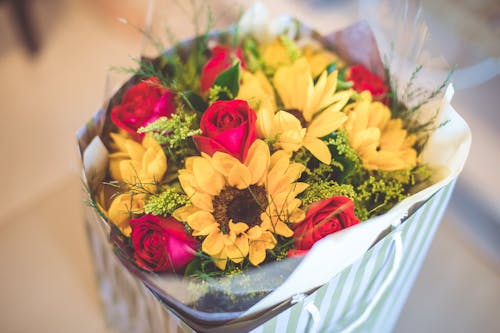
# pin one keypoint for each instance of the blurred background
(54, 60)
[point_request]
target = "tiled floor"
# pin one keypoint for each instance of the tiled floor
(46, 278)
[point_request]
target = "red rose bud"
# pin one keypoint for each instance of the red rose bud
(363, 80)
(221, 59)
(141, 105)
(229, 127)
(322, 219)
(161, 244)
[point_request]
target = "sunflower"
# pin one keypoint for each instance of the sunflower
(140, 166)
(239, 207)
(123, 208)
(137, 163)
(310, 111)
(381, 142)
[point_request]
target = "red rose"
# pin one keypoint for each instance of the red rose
(322, 219)
(363, 79)
(142, 104)
(227, 126)
(161, 244)
(222, 59)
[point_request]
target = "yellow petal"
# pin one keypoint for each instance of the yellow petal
(298, 215)
(119, 141)
(182, 213)
(202, 201)
(275, 175)
(318, 148)
(282, 229)
(239, 176)
(254, 233)
(257, 161)
(122, 208)
(130, 171)
(268, 240)
(238, 228)
(154, 164)
(223, 163)
(213, 243)
(200, 221)
(220, 259)
(291, 140)
(256, 90)
(238, 250)
(265, 122)
(257, 253)
(367, 139)
(208, 180)
(284, 121)
(325, 123)
(134, 149)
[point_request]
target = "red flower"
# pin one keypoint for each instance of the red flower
(363, 79)
(142, 104)
(222, 59)
(229, 127)
(322, 219)
(161, 244)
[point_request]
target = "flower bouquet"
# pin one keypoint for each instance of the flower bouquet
(240, 169)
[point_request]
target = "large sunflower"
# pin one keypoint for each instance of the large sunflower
(381, 142)
(310, 110)
(239, 207)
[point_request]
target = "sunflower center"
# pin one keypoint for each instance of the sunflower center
(297, 114)
(239, 206)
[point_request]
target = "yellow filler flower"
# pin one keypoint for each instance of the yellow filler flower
(381, 142)
(311, 111)
(239, 207)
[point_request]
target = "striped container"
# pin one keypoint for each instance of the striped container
(365, 297)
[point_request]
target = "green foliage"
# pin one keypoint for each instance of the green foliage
(373, 192)
(378, 194)
(302, 156)
(346, 166)
(253, 57)
(166, 202)
(193, 101)
(324, 190)
(218, 93)
(173, 134)
(229, 81)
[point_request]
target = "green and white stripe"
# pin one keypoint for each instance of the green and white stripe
(350, 293)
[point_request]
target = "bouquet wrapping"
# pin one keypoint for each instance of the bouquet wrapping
(231, 199)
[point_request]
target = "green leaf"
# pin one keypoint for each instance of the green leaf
(193, 268)
(195, 101)
(331, 67)
(230, 79)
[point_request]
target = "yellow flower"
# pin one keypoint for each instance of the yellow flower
(319, 58)
(311, 111)
(239, 207)
(123, 207)
(140, 166)
(137, 163)
(381, 142)
(257, 91)
(275, 54)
